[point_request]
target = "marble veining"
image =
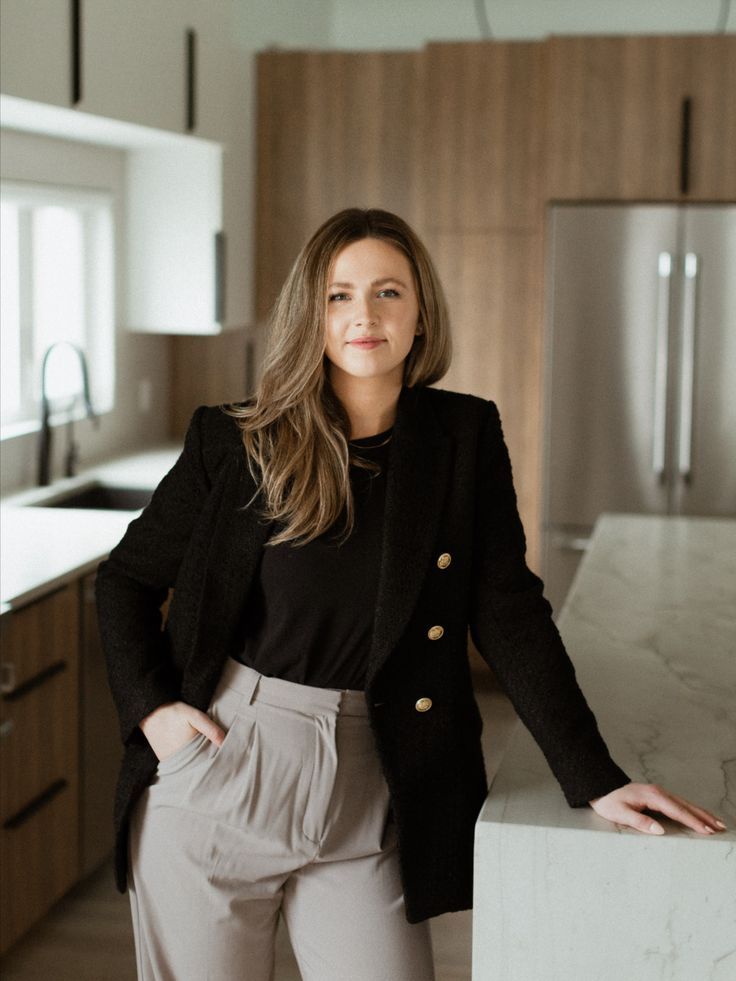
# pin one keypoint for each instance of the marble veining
(650, 625)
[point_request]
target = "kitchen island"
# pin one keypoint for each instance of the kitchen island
(561, 893)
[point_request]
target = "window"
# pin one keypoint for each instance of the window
(56, 284)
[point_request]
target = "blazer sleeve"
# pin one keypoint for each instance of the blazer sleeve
(511, 625)
(133, 582)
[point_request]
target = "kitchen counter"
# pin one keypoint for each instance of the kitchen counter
(42, 548)
(650, 624)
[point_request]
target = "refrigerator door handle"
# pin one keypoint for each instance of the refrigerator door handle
(664, 270)
(687, 368)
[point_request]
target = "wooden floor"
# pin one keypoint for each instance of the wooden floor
(88, 935)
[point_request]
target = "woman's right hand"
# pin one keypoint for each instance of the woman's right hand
(172, 725)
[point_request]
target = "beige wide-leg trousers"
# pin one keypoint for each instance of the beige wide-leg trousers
(289, 815)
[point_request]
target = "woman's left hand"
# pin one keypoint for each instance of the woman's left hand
(624, 805)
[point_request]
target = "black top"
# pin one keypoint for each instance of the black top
(310, 613)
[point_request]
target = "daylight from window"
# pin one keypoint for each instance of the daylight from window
(57, 285)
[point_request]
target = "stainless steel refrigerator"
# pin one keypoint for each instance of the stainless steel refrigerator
(640, 370)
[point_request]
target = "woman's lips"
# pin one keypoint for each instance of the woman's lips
(366, 344)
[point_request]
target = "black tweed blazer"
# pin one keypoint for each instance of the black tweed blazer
(449, 490)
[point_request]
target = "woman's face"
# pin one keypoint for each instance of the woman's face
(370, 294)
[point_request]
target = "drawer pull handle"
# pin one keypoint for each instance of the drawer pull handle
(14, 693)
(35, 805)
(7, 677)
(6, 727)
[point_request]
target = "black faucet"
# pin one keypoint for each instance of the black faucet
(44, 456)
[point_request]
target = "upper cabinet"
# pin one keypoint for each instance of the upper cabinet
(336, 129)
(483, 135)
(642, 118)
(126, 61)
(134, 62)
(36, 50)
(163, 80)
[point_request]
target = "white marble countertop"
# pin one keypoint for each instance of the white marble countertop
(42, 548)
(650, 625)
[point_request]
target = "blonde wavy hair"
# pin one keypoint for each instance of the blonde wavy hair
(295, 430)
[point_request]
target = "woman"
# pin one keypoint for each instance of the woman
(302, 737)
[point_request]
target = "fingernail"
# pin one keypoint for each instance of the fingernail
(720, 824)
(710, 831)
(656, 829)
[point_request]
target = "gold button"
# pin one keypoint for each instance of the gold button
(444, 560)
(434, 633)
(423, 704)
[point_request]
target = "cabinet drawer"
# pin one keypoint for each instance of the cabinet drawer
(39, 859)
(39, 758)
(39, 741)
(39, 635)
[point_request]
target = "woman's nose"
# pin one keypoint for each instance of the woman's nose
(365, 311)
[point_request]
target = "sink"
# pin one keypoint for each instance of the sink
(104, 497)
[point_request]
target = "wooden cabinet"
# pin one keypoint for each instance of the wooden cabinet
(100, 748)
(35, 50)
(711, 64)
(642, 118)
(39, 748)
(335, 130)
(481, 167)
(455, 149)
(60, 753)
(483, 141)
(493, 280)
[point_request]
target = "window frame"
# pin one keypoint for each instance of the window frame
(99, 215)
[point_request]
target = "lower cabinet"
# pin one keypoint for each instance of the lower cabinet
(59, 754)
(100, 748)
(39, 758)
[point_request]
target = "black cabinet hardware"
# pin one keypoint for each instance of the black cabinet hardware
(219, 277)
(35, 805)
(34, 682)
(191, 80)
(76, 52)
(685, 146)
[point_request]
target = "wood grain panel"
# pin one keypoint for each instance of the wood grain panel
(494, 285)
(39, 751)
(335, 130)
(483, 135)
(615, 117)
(39, 862)
(711, 84)
(212, 370)
(614, 114)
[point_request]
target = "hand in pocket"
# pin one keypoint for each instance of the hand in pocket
(172, 725)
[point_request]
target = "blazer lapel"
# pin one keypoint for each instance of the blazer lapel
(418, 475)
(417, 480)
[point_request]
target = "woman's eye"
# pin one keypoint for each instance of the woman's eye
(389, 292)
(337, 296)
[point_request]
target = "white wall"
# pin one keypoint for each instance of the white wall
(26, 156)
(259, 24)
(411, 23)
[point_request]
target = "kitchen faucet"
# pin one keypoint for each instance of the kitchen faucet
(45, 442)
